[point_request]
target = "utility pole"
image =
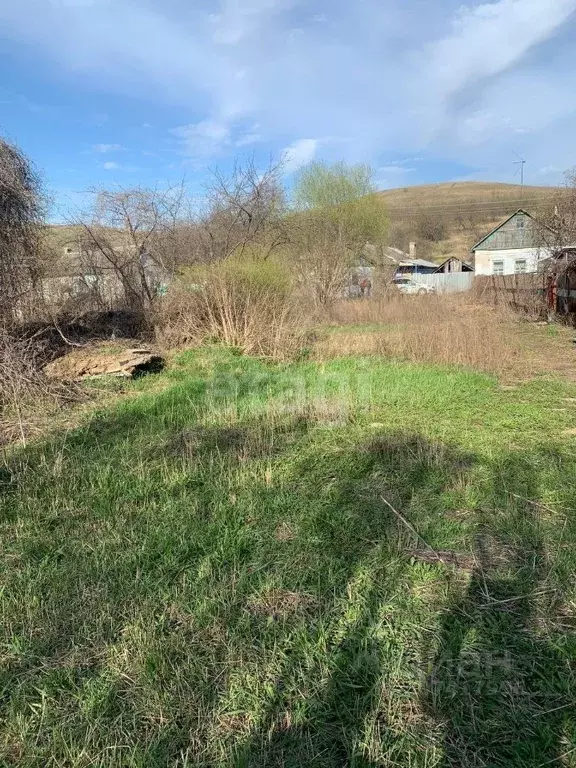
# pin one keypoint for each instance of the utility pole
(521, 162)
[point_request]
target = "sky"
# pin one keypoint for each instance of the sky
(128, 92)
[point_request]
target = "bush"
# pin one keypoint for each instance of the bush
(245, 303)
(21, 211)
(431, 228)
(25, 392)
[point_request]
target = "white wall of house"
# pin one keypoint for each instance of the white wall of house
(507, 261)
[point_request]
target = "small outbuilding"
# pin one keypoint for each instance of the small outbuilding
(454, 265)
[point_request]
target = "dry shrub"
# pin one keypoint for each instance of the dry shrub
(247, 304)
(26, 394)
(21, 211)
(431, 329)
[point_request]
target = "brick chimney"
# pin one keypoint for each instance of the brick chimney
(412, 250)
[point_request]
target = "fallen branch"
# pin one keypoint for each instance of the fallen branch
(537, 504)
(414, 531)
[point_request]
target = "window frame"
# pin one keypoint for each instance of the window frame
(523, 271)
(500, 262)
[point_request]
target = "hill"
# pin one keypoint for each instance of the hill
(447, 219)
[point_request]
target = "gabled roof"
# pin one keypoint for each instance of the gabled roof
(520, 210)
(466, 264)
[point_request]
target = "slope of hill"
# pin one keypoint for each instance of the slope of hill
(447, 219)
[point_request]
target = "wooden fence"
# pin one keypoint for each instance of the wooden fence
(525, 293)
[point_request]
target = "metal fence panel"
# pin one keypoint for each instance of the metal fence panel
(452, 282)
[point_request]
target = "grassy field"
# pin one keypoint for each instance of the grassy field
(209, 572)
(465, 194)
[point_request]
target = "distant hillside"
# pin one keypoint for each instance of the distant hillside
(447, 219)
(443, 219)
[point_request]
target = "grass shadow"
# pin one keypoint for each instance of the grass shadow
(204, 588)
(501, 686)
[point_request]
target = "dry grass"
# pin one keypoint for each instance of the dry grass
(452, 330)
(525, 294)
(27, 397)
(280, 603)
(258, 318)
(465, 193)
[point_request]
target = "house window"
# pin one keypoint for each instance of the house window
(68, 250)
(520, 222)
(520, 267)
(497, 267)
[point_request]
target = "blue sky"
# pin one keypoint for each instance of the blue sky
(144, 91)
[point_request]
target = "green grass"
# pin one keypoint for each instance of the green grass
(205, 574)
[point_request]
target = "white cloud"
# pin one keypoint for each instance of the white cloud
(396, 168)
(103, 149)
(550, 170)
(399, 77)
(487, 39)
(251, 136)
(248, 139)
(110, 166)
(204, 139)
(241, 19)
(299, 153)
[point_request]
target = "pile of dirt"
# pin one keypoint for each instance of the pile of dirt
(104, 360)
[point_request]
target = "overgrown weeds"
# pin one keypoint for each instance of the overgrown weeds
(447, 330)
(26, 394)
(249, 305)
(433, 329)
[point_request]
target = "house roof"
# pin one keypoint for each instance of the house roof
(455, 258)
(417, 263)
(394, 255)
(520, 210)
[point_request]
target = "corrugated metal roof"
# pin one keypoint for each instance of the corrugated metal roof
(417, 263)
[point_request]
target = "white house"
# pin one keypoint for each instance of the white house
(511, 248)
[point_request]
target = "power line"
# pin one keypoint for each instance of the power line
(471, 207)
(503, 201)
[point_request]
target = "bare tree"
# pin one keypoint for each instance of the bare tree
(430, 227)
(556, 226)
(244, 210)
(21, 212)
(130, 242)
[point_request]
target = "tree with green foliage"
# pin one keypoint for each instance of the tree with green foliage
(337, 211)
